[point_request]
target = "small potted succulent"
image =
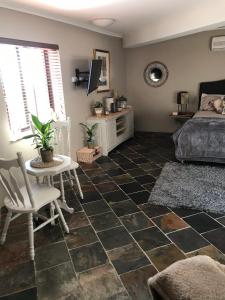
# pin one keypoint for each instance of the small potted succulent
(90, 132)
(98, 108)
(122, 101)
(43, 138)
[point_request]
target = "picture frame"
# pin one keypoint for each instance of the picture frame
(104, 81)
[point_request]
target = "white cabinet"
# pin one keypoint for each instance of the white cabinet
(113, 129)
(110, 128)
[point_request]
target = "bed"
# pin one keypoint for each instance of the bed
(202, 138)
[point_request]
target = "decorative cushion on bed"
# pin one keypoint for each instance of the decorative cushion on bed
(207, 101)
(218, 105)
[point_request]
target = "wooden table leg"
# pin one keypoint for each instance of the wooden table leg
(52, 206)
(63, 203)
(70, 179)
(78, 184)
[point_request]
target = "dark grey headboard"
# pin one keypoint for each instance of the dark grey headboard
(211, 87)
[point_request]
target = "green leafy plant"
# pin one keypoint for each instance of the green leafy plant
(122, 98)
(90, 131)
(98, 104)
(43, 135)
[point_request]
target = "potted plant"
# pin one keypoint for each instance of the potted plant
(90, 131)
(98, 108)
(43, 138)
(122, 102)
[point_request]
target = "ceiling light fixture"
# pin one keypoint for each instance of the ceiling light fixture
(103, 22)
(77, 4)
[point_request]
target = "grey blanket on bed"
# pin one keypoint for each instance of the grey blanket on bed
(201, 139)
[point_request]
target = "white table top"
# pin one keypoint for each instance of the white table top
(49, 171)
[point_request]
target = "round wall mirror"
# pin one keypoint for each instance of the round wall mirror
(156, 74)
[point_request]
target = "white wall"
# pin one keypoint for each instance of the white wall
(197, 18)
(189, 61)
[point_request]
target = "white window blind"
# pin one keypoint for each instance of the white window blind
(32, 84)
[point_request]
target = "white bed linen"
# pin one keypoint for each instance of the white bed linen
(207, 114)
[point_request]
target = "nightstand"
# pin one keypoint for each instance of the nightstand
(182, 117)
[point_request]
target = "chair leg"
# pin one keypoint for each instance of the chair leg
(61, 216)
(63, 203)
(52, 181)
(37, 180)
(6, 226)
(52, 213)
(31, 235)
(70, 179)
(62, 187)
(78, 183)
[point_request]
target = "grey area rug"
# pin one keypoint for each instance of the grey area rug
(192, 186)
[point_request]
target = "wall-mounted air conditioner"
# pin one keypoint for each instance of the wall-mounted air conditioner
(218, 43)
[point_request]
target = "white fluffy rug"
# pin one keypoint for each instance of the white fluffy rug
(193, 186)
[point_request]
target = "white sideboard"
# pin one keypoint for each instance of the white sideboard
(113, 129)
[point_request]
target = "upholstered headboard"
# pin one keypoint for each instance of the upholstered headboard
(211, 87)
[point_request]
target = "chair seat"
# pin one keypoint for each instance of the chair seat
(42, 195)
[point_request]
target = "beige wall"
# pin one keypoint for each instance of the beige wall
(76, 48)
(189, 61)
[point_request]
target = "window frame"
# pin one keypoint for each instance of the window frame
(45, 47)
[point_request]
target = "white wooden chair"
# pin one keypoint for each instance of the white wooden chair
(63, 146)
(27, 199)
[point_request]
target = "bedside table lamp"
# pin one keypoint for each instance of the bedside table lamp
(182, 101)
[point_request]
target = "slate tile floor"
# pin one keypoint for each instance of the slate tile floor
(117, 240)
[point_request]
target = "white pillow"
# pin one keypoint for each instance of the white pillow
(207, 101)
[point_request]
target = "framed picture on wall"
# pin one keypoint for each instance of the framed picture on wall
(104, 80)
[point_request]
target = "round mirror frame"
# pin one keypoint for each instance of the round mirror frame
(161, 67)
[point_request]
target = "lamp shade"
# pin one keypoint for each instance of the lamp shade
(183, 98)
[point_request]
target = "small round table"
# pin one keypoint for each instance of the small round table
(49, 173)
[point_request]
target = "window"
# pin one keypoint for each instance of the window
(31, 81)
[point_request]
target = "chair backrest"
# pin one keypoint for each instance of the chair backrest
(35, 139)
(10, 184)
(62, 137)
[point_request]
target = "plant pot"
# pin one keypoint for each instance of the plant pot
(46, 155)
(98, 111)
(91, 145)
(123, 104)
